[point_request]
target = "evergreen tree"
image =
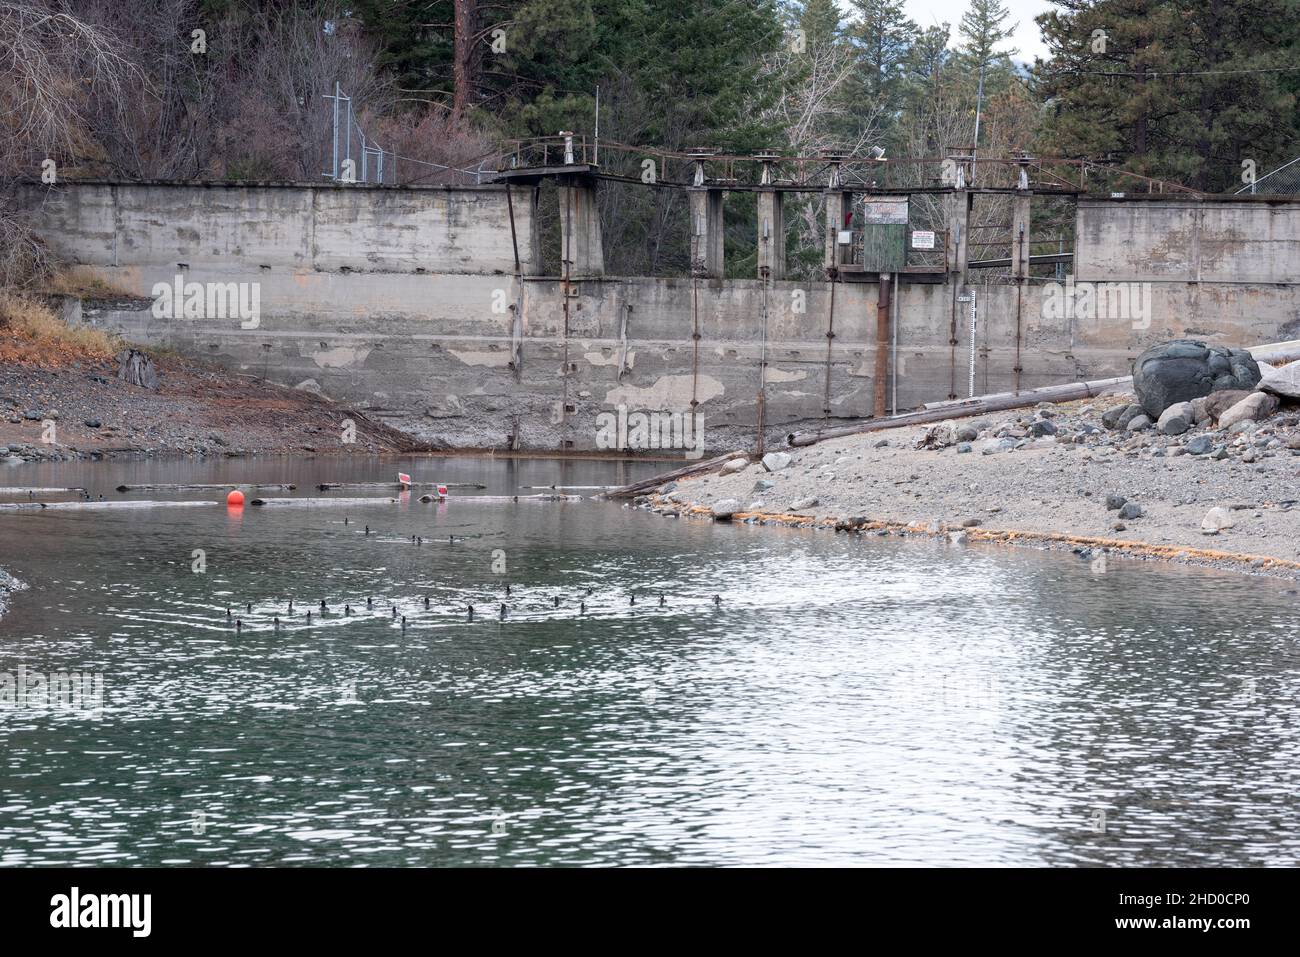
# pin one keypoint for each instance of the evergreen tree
(1181, 90)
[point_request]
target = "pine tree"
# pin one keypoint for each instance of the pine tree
(1175, 90)
(982, 30)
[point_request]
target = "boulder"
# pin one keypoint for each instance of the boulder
(1184, 369)
(938, 436)
(1283, 381)
(726, 508)
(1220, 402)
(735, 465)
(1253, 408)
(1176, 419)
(775, 461)
(1200, 445)
(1138, 423)
(1216, 519)
(1131, 510)
(1119, 416)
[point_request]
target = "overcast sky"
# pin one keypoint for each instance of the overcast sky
(1027, 41)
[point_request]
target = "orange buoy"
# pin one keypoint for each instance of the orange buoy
(235, 498)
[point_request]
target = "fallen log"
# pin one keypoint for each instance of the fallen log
(479, 499)
(959, 408)
(307, 502)
(1274, 352)
(646, 485)
(168, 487)
(458, 500)
(571, 488)
(31, 489)
(395, 486)
(27, 506)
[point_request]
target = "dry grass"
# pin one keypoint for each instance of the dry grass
(31, 333)
(82, 281)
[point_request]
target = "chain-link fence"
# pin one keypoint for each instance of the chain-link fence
(1284, 179)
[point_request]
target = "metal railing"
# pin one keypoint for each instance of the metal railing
(654, 166)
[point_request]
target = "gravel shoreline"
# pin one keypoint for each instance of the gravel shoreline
(1053, 477)
(82, 410)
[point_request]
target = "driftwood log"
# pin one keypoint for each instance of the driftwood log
(646, 485)
(186, 488)
(395, 486)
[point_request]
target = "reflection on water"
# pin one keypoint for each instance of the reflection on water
(853, 700)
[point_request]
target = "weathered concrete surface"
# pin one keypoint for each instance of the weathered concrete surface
(1154, 239)
(254, 227)
(402, 301)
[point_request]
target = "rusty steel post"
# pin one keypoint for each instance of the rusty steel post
(880, 382)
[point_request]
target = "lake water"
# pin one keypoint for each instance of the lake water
(853, 700)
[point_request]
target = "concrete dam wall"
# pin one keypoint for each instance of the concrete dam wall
(407, 302)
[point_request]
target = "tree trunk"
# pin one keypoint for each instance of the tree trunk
(464, 72)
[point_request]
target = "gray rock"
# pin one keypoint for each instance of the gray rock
(1283, 381)
(735, 465)
(1220, 453)
(1115, 501)
(1183, 369)
(938, 436)
(992, 446)
(33, 415)
(1176, 419)
(804, 503)
(1110, 418)
(1215, 520)
(667, 487)
(726, 508)
(967, 433)
(1138, 423)
(93, 423)
(1127, 415)
(1199, 445)
(1042, 427)
(1130, 510)
(964, 446)
(775, 461)
(1253, 408)
(763, 485)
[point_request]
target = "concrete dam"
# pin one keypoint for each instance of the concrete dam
(428, 306)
